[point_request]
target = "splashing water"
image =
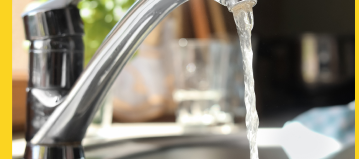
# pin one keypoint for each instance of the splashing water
(243, 16)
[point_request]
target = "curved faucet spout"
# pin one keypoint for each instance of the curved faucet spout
(60, 104)
(69, 122)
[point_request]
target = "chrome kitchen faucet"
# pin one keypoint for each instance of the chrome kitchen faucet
(62, 98)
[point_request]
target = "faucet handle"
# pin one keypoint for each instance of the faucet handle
(53, 19)
(52, 5)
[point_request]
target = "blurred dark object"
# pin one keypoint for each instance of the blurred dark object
(283, 17)
(300, 73)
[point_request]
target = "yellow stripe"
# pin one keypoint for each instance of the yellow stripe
(6, 80)
(356, 69)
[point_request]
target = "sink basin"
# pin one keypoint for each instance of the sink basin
(171, 141)
(188, 147)
(208, 146)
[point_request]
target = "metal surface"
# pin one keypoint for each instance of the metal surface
(55, 32)
(233, 146)
(211, 146)
(54, 152)
(55, 60)
(68, 123)
(56, 115)
(45, 23)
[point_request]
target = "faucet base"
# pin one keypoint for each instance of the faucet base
(54, 152)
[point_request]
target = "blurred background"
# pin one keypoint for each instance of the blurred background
(303, 58)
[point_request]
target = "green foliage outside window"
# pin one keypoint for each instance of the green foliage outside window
(99, 17)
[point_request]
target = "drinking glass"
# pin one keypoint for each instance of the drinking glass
(200, 71)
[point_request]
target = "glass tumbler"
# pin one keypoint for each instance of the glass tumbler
(200, 72)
